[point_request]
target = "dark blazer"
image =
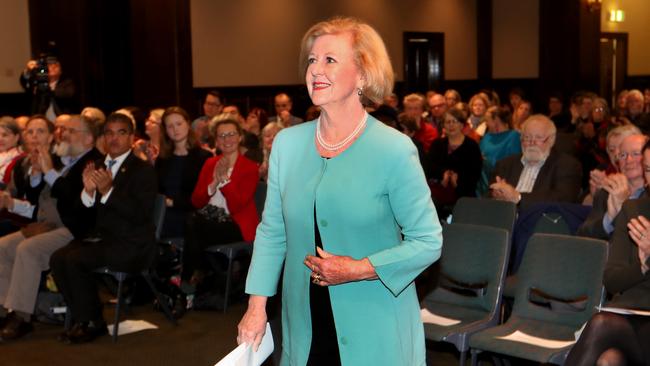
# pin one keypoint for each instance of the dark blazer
(195, 159)
(558, 180)
(78, 218)
(623, 277)
(126, 219)
(593, 225)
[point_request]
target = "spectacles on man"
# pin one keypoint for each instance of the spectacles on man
(535, 139)
(633, 154)
(226, 135)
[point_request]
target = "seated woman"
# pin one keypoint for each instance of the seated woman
(617, 188)
(149, 149)
(454, 163)
(613, 339)
(178, 166)
(9, 150)
(224, 197)
(478, 105)
(268, 135)
(499, 142)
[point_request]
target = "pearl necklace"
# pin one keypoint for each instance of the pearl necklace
(340, 144)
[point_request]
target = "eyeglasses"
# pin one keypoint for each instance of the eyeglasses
(633, 154)
(216, 105)
(70, 130)
(226, 135)
(441, 105)
(535, 139)
(450, 121)
(599, 109)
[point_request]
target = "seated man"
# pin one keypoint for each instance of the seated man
(616, 189)
(283, 116)
(124, 194)
(539, 174)
(26, 253)
(425, 132)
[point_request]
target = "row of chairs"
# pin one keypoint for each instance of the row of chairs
(558, 287)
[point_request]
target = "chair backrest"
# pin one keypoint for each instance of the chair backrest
(566, 270)
(486, 212)
(472, 266)
(159, 215)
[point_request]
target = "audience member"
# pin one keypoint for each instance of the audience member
(539, 174)
(408, 125)
(312, 113)
(414, 107)
(283, 116)
(268, 135)
(224, 198)
(500, 141)
(635, 112)
(392, 101)
(437, 109)
(212, 106)
(515, 96)
(617, 188)
(177, 168)
(521, 114)
(454, 164)
(621, 104)
(478, 105)
(557, 113)
(123, 190)
(26, 253)
(614, 339)
(452, 97)
(255, 121)
(9, 149)
(22, 122)
(149, 149)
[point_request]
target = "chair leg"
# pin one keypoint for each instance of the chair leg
(228, 279)
(116, 324)
(463, 358)
(474, 353)
(161, 301)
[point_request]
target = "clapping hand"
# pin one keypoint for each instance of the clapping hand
(502, 190)
(639, 229)
(619, 191)
(596, 178)
(87, 177)
(103, 180)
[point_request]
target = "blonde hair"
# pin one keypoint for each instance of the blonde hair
(370, 54)
(414, 98)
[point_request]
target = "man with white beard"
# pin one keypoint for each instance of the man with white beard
(539, 174)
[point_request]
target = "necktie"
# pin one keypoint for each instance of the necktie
(110, 165)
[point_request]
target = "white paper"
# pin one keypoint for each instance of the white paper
(623, 311)
(522, 337)
(430, 318)
(244, 355)
(132, 326)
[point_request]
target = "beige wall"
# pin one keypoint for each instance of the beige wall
(637, 25)
(14, 43)
(256, 42)
(515, 39)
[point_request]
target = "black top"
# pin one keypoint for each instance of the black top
(324, 344)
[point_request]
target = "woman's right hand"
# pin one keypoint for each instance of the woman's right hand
(252, 326)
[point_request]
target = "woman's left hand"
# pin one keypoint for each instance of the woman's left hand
(329, 269)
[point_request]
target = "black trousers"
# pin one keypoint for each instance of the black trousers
(201, 233)
(73, 265)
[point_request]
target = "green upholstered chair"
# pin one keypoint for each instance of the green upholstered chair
(485, 211)
(472, 270)
(558, 289)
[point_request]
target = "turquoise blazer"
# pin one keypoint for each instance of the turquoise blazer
(371, 201)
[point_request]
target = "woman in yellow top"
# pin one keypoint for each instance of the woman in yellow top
(348, 212)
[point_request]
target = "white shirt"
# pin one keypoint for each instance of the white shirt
(528, 175)
(217, 198)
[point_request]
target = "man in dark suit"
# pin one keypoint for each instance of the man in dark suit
(26, 253)
(539, 174)
(124, 195)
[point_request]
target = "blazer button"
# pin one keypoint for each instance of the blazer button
(344, 341)
(323, 223)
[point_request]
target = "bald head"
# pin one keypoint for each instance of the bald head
(437, 105)
(282, 103)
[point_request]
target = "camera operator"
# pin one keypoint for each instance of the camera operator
(51, 95)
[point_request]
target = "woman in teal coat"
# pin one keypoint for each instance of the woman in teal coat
(348, 212)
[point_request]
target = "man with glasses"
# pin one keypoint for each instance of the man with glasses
(437, 109)
(539, 174)
(617, 188)
(123, 190)
(59, 219)
(212, 106)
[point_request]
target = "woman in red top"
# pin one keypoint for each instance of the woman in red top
(224, 197)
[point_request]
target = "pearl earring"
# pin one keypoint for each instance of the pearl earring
(359, 92)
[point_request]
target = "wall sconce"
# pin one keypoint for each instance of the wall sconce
(593, 5)
(616, 16)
